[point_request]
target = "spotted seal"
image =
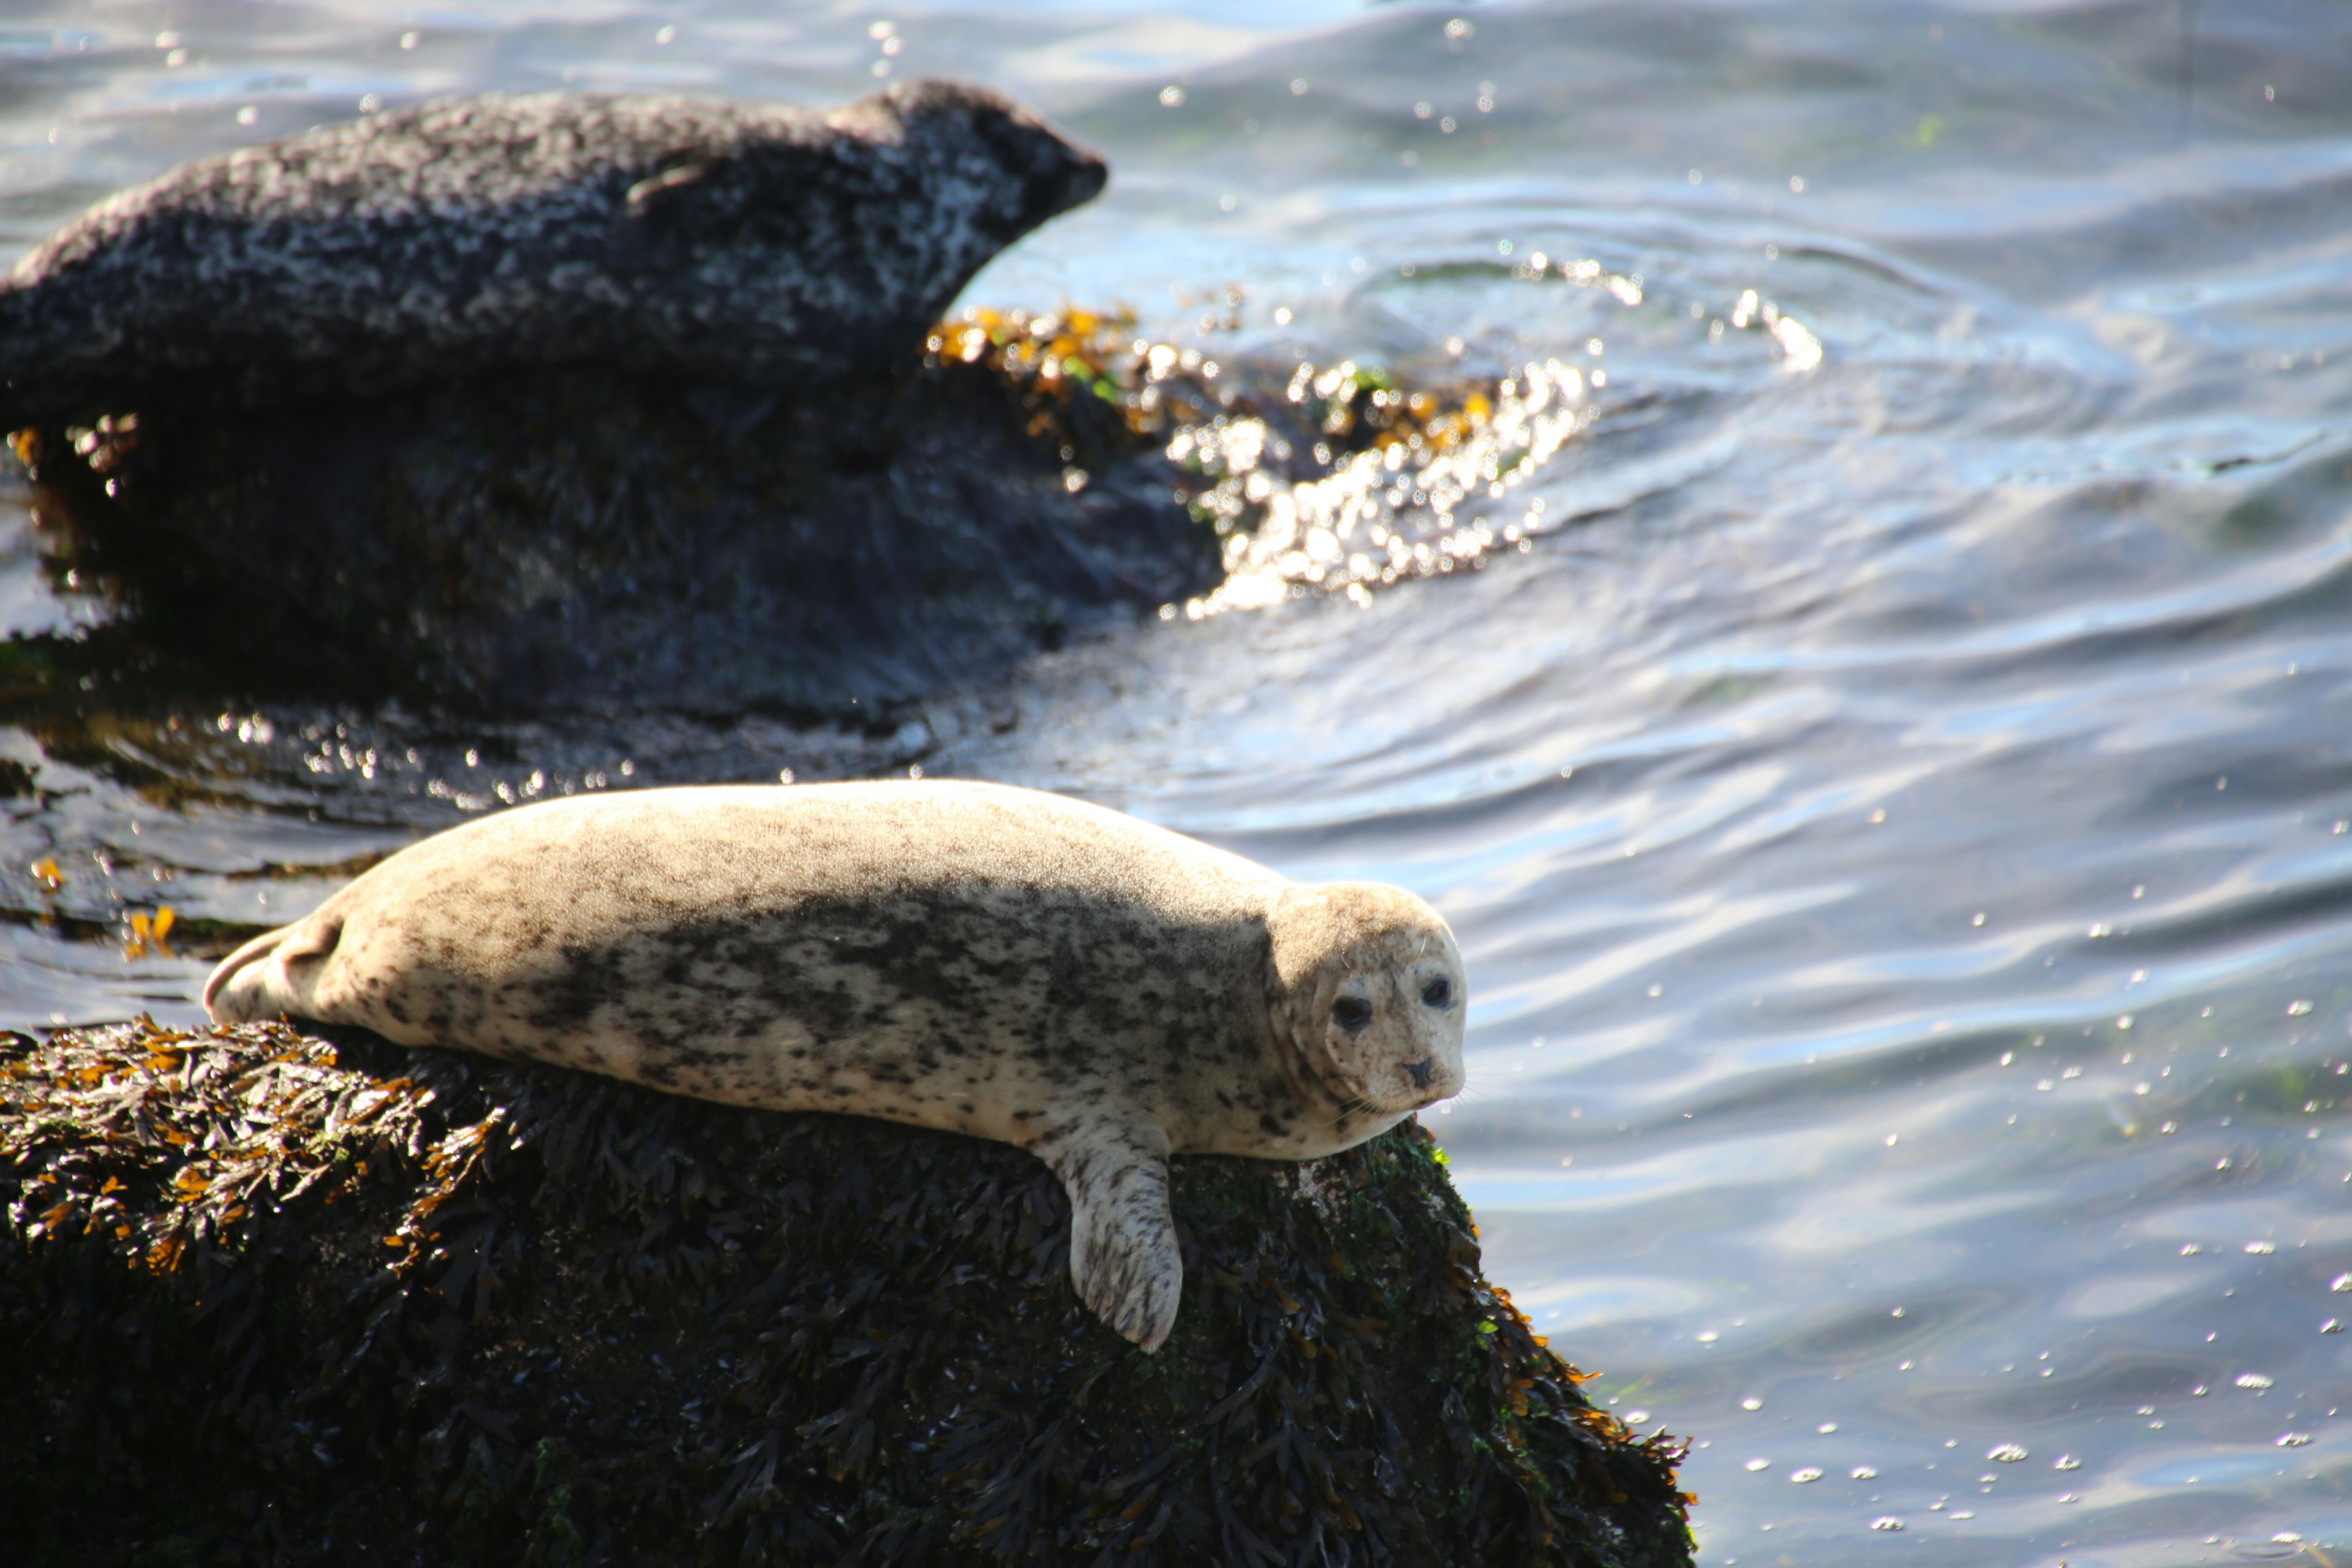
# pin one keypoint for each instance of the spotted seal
(991, 961)
(728, 243)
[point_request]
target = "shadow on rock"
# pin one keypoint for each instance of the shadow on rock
(568, 539)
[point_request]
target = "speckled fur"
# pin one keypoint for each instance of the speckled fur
(664, 235)
(991, 961)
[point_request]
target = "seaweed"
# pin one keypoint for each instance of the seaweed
(275, 1296)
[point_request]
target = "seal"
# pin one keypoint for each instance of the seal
(728, 243)
(985, 960)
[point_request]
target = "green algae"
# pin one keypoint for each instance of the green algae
(272, 1298)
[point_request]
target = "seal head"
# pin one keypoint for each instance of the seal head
(1370, 993)
(1019, 169)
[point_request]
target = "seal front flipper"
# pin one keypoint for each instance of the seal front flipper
(1123, 1255)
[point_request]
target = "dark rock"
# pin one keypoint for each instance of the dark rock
(584, 539)
(663, 236)
(270, 1299)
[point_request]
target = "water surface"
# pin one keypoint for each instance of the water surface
(1894, 809)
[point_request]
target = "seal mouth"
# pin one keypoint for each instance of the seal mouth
(1425, 1095)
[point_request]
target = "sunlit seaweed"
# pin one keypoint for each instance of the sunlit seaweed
(272, 1298)
(1344, 481)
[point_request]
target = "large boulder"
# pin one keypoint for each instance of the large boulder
(266, 1297)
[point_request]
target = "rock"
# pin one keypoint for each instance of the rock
(559, 401)
(583, 540)
(651, 235)
(269, 1297)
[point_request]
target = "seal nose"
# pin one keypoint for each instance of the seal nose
(1419, 1071)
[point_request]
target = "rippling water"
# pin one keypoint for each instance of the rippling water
(1895, 810)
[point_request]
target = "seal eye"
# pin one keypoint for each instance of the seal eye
(1352, 1013)
(1438, 992)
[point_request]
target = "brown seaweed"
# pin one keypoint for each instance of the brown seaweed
(270, 1298)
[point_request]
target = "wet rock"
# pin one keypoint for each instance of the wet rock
(266, 1297)
(647, 234)
(579, 539)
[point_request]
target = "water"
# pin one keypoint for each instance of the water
(1895, 811)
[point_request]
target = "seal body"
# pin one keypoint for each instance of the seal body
(650, 234)
(985, 960)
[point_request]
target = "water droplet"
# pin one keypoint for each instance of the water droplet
(1808, 1474)
(2006, 1453)
(2067, 1462)
(1886, 1522)
(2251, 1380)
(1864, 1473)
(1752, 1403)
(2260, 1248)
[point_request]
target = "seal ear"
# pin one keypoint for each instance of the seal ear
(1124, 1259)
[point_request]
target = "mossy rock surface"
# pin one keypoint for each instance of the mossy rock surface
(266, 1297)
